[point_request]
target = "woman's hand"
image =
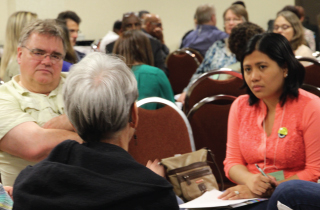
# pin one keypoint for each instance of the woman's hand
(156, 168)
(237, 192)
(259, 184)
(182, 97)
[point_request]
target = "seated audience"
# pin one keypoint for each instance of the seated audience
(131, 21)
(288, 25)
(239, 37)
(99, 97)
(31, 106)
(135, 47)
(239, 3)
(17, 21)
(188, 32)
(206, 33)
(72, 21)
(275, 126)
(308, 34)
(142, 15)
(111, 36)
(219, 54)
(153, 26)
(70, 57)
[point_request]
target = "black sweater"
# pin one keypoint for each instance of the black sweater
(91, 176)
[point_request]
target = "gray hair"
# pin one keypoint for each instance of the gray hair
(46, 27)
(204, 13)
(99, 93)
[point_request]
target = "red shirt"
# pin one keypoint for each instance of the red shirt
(297, 153)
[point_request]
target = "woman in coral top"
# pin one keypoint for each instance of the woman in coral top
(275, 126)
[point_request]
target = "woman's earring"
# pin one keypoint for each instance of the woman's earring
(286, 75)
(135, 139)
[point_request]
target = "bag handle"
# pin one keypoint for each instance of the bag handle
(214, 161)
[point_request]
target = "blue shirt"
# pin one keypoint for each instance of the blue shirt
(203, 37)
(66, 66)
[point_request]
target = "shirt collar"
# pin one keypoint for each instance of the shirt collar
(23, 91)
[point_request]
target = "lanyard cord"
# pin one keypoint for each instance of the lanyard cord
(265, 142)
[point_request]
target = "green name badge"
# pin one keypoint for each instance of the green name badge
(279, 175)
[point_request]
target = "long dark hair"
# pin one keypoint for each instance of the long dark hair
(134, 46)
(278, 49)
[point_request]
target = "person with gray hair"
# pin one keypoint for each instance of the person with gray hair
(206, 33)
(32, 119)
(99, 96)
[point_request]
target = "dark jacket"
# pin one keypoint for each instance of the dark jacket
(91, 176)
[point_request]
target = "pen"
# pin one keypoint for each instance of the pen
(264, 174)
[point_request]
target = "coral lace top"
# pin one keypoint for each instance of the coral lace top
(297, 153)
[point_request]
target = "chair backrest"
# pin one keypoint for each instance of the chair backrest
(312, 76)
(161, 133)
(209, 122)
(181, 65)
(205, 87)
(311, 89)
(196, 52)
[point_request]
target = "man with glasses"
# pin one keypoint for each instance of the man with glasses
(72, 21)
(131, 21)
(32, 119)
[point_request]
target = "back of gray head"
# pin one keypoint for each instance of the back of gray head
(98, 95)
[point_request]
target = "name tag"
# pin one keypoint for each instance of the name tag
(279, 175)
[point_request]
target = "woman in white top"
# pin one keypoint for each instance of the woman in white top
(288, 25)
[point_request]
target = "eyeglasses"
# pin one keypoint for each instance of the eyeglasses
(41, 54)
(236, 20)
(283, 27)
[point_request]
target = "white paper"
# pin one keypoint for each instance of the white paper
(210, 199)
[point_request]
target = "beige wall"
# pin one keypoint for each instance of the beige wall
(98, 15)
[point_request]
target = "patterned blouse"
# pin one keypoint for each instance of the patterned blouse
(217, 56)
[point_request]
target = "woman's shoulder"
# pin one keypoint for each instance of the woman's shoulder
(303, 51)
(306, 97)
(147, 69)
(242, 100)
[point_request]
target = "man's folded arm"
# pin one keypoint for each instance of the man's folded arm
(31, 142)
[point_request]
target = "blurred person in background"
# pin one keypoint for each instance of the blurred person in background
(16, 22)
(206, 32)
(111, 36)
(72, 21)
(135, 47)
(288, 24)
(219, 54)
(70, 57)
(130, 21)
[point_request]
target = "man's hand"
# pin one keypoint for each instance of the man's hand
(238, 192)
(156, 168)
(9, 190)
(157, 32)
(60, 122)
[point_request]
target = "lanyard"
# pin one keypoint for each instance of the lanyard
(265, 143)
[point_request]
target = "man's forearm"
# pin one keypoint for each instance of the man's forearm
(32, 142)
(51, 138)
